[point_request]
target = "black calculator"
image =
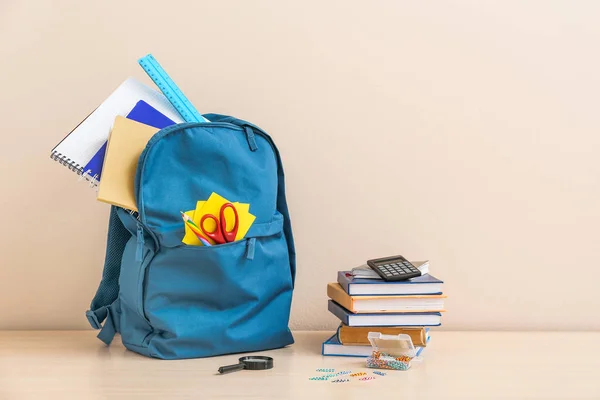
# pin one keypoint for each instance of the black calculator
(396, 268)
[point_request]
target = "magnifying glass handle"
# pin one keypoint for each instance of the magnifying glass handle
(231, 368)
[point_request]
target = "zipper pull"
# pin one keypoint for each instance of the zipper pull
(251, 139)
(140, 243)
(250, 245)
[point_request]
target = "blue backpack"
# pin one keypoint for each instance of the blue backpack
(169, 300)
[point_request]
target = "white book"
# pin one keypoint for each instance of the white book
(79, 146)
(385, 319)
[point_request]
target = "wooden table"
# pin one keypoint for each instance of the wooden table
(474, 365)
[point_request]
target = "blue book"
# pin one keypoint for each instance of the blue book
(424, 284)
(384, 319)
(333, 347)
(142, 112)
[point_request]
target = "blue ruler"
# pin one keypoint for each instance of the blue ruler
(170, 89)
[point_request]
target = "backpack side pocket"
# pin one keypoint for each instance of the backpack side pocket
(135, 326)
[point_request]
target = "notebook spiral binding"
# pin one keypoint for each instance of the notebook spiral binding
(73, 166)
(93, 180)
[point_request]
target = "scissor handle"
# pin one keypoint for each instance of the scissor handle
(217, 234)
(229, 236)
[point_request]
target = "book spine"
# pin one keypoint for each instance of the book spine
(337, 294)
(358, 336)
(344, 285)
(343, 281)
(337, 311)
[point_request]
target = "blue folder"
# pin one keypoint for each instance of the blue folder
(142, 112)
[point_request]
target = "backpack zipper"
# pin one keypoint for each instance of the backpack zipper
(139, 252)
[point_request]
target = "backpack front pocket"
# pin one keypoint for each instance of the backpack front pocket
(228, 298)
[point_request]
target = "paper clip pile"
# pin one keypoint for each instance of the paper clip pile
(343, 376)
(388, 361)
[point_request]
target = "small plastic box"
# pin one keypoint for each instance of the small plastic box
(390, 351)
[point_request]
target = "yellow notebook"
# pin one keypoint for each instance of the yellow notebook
(125, 144)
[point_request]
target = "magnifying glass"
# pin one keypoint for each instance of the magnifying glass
(249, 362)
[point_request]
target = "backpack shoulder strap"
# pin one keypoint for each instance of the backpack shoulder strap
(106, 298)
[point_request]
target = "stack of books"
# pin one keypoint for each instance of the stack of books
(366, 303)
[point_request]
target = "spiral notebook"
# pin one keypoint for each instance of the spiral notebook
(142, 112)
(78, 148)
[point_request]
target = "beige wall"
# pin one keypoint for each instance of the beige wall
(464, 132)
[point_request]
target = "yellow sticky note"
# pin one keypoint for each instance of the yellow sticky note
(213, 206)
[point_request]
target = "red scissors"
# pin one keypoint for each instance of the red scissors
(220, 235)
